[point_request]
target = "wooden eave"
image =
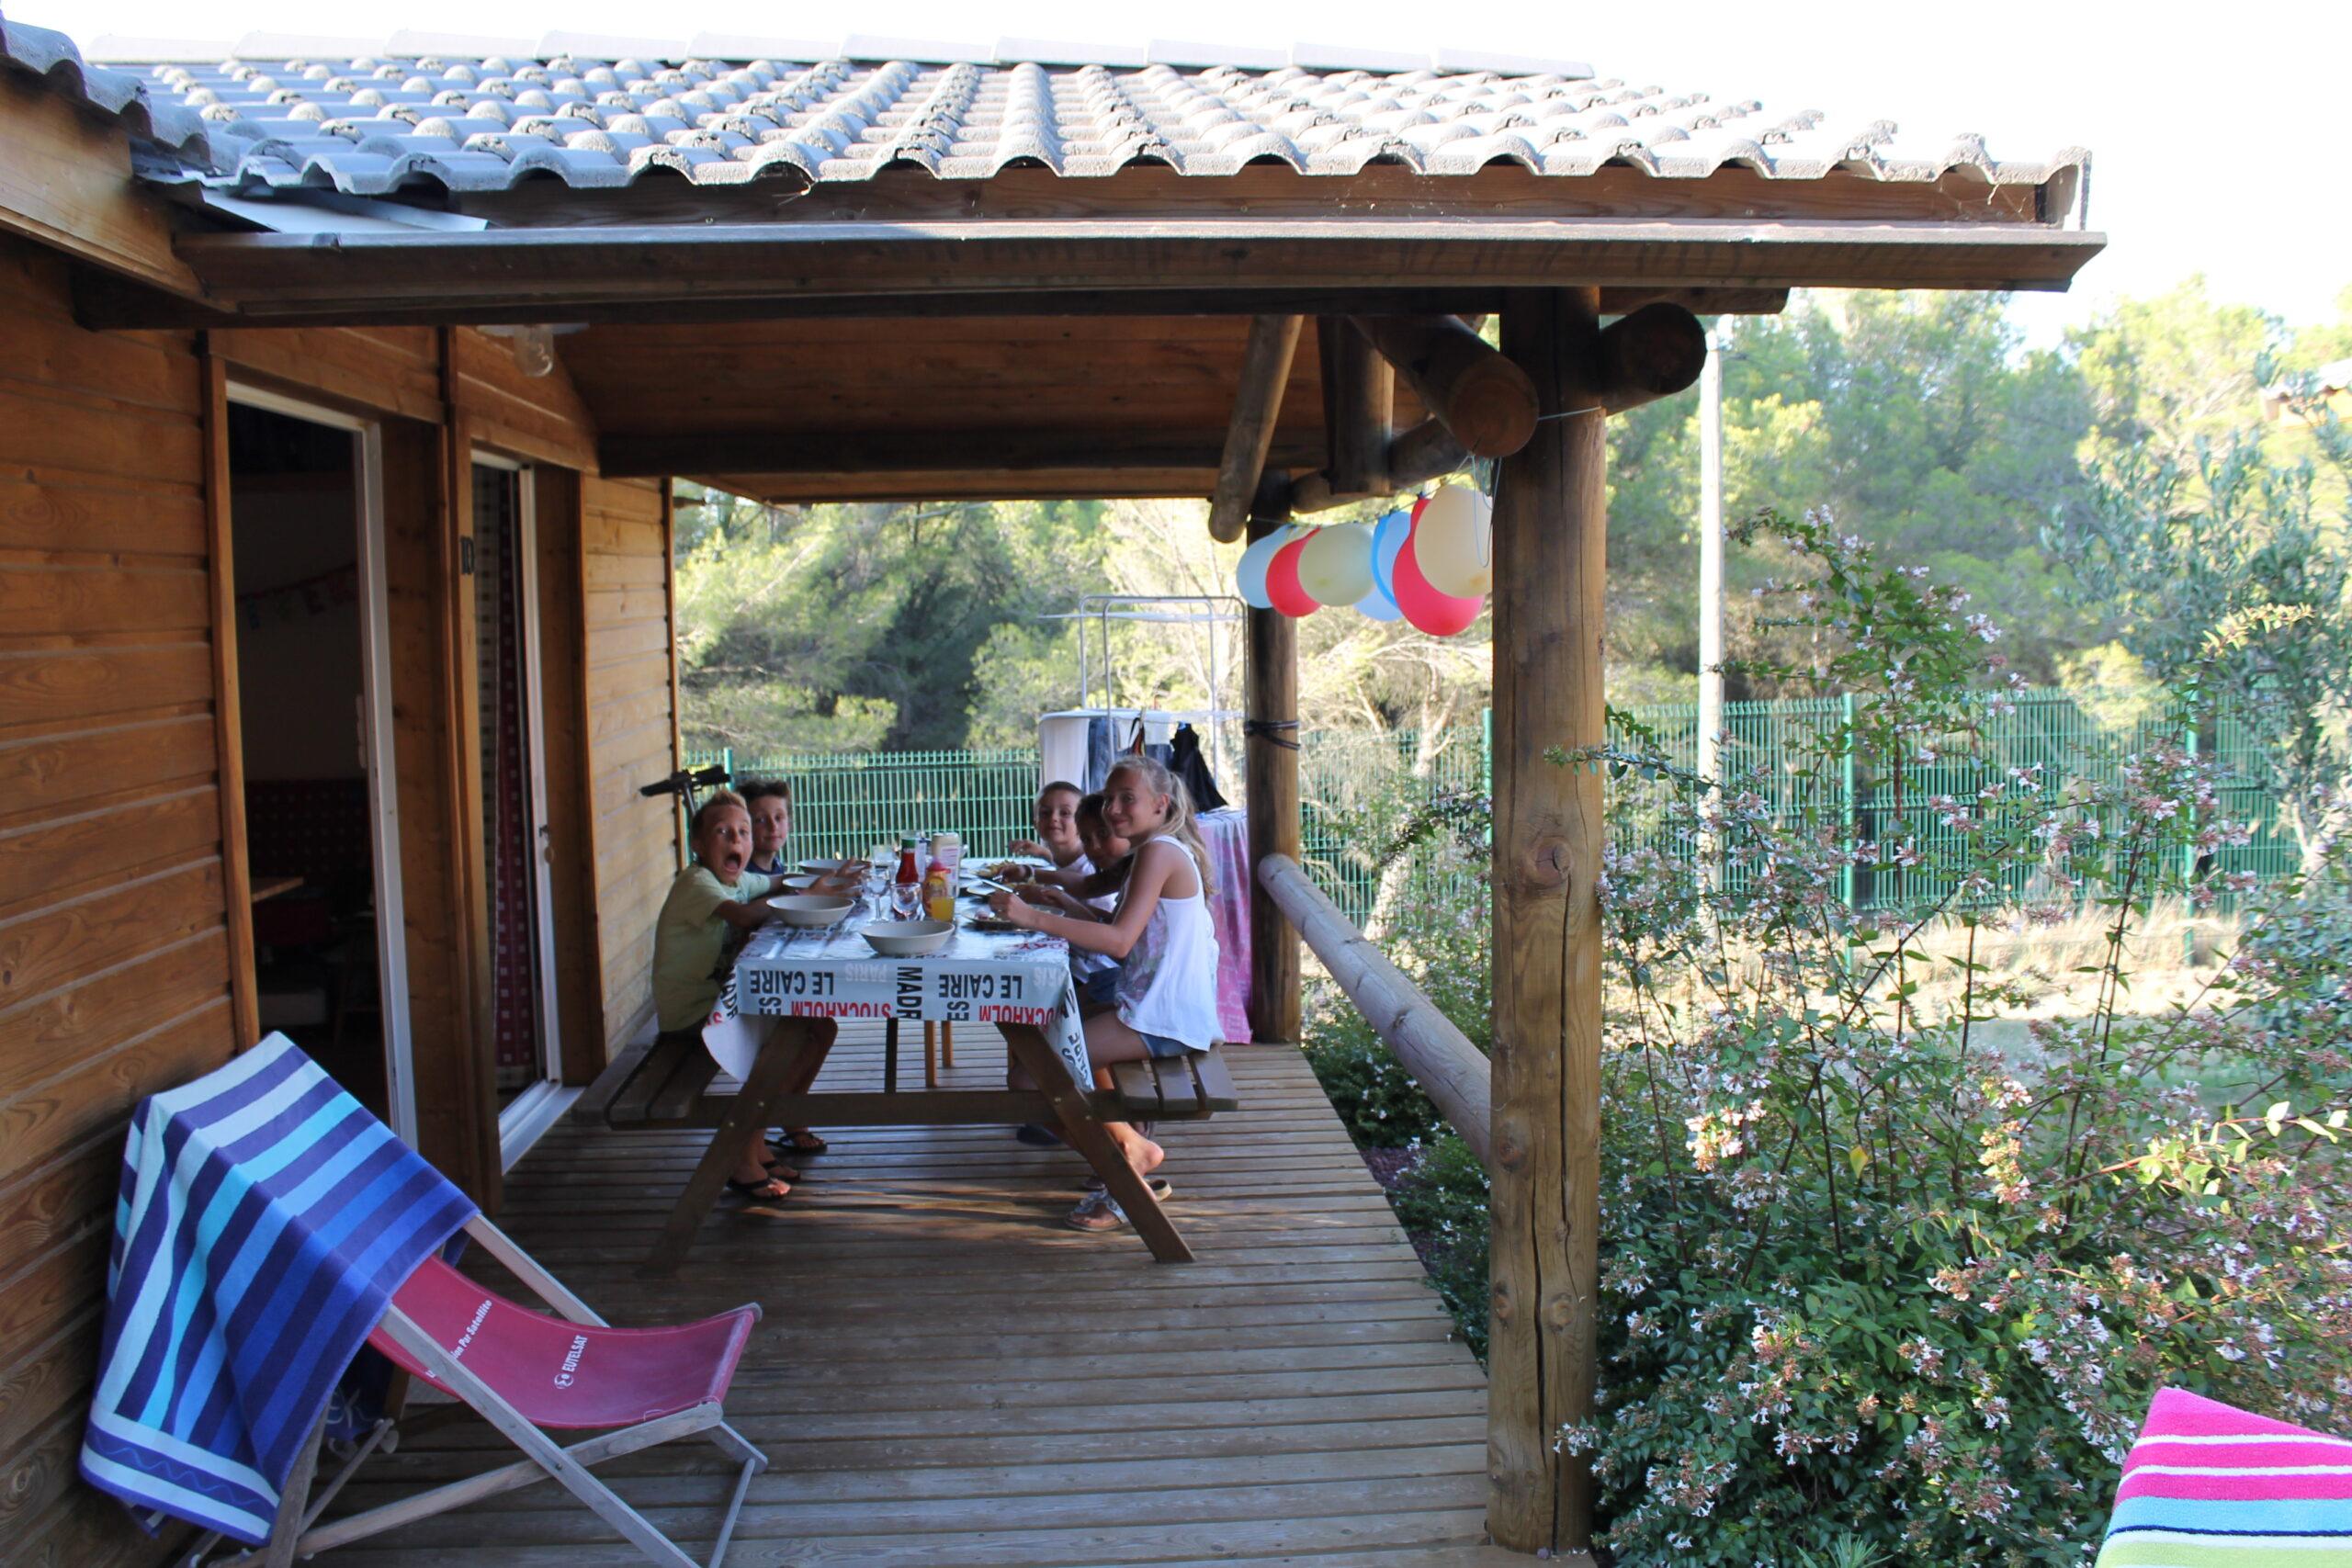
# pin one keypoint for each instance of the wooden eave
(912, 337)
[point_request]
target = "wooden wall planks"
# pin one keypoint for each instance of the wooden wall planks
(117, 955)
(114, 948)
(631, 732)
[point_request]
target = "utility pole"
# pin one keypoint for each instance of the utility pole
(1711, 588)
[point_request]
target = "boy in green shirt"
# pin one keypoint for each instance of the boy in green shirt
(712, 907)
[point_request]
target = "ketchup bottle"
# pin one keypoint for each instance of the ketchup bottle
(906, 888)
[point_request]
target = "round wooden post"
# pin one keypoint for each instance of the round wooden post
(1550, 528)
(1271, 783)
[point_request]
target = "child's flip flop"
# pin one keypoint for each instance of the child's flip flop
(757, 1191)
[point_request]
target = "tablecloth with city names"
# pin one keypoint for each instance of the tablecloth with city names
(1018, 977)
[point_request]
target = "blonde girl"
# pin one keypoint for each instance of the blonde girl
(1165, 999)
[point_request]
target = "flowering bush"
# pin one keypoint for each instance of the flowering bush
(1883, 1273)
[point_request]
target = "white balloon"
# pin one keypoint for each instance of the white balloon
(1454, 543)
(1335, 564)
(1250, 575)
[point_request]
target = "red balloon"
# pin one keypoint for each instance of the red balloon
(1281, 580)
(1440, 615)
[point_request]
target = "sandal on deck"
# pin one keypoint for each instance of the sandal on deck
(1162, 1187)
(1095, 1213)
(802, 1141)
(757, 1191)
(779, 1172)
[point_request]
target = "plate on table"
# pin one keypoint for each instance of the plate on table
(908, 939)
(830, 867)
(992, 924)
(811, 910)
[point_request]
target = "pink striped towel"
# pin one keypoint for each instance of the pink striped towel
(2211, 1486)
(1227, 834)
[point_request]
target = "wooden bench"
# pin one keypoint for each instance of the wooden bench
(665, 1083)
(654, 1083)
(1191, 1087)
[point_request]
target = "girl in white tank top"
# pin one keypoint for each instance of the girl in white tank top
(1166, 943)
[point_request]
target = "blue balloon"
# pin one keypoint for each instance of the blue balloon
(1389, 536)
(1379, 605)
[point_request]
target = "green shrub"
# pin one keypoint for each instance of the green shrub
(1872, 1285)
(1875, 1289)
(1444, 1201)
(1378, 1101)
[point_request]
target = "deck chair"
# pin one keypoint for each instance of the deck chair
(268, 1226)
(523, 1370)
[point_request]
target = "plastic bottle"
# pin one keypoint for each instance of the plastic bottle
(939, 878)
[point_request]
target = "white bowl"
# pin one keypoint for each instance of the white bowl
(797, 883)
(828, 867)
(908, 939)
(810, 909)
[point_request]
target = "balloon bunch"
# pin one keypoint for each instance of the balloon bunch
(1431, 567)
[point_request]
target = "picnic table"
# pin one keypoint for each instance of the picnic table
(786, 978)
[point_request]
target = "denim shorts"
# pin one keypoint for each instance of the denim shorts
(1102, 987)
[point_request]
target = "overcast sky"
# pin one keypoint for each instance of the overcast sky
(2218, 132)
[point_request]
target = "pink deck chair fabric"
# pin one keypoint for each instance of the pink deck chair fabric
(564, 1374)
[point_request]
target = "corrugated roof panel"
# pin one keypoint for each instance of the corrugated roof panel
(480, 115)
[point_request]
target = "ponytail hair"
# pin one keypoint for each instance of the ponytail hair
(1182, 824)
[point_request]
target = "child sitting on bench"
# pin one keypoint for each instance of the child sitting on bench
(714, 904)
(1165, 998)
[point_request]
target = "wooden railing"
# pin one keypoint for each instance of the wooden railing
(1451, 1071)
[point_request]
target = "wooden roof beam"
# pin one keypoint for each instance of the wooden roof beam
(106, 302)
(1486, 401)
(558, 275)
(1654, 353)
(1265, 372)
(1359, 406)
(912, 451)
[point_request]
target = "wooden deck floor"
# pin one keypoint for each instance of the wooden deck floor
(946, 1375)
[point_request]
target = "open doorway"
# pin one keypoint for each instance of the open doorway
(311, 676)
(523, 1040)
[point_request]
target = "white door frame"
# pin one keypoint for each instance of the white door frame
(530, 1114)
(376, 732)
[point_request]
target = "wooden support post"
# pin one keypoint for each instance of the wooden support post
(1550, 548)
(1359, 398)
(1265, 371)
(1271, 764)
(228, 721)
(1486, 402)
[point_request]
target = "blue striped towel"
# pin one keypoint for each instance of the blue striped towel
(265, 1219)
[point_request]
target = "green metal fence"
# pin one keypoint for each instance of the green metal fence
(846, 805)
(1358, 790)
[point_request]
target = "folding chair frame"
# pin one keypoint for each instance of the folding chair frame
(297, 1534)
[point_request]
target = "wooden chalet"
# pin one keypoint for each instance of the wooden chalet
(341, 398)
